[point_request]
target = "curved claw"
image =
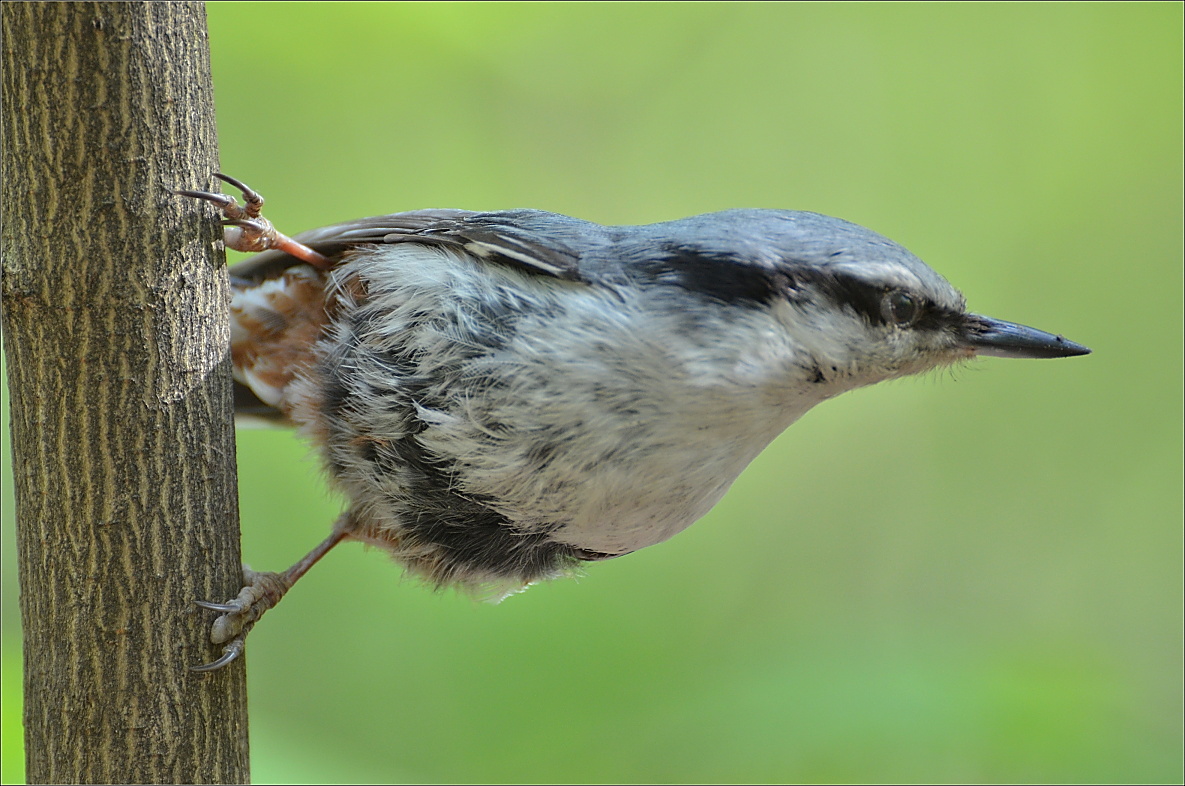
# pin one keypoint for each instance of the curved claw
(231, 607)
(228, 204)
(230, 653)
(248, 192)
(222, 200)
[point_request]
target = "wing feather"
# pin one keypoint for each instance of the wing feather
(494, 237)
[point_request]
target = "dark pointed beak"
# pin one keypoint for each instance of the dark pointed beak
(1002, 339)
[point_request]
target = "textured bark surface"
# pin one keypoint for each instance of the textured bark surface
(115, 331)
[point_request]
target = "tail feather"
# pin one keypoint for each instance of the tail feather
(275, 324)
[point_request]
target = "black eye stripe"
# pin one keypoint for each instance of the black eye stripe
(720, 277)
(848, 292)
(734, 281)
(731, 280)
(868, 300)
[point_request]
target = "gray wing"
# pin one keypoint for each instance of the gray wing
(530, 240)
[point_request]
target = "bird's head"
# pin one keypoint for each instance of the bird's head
(858, 307)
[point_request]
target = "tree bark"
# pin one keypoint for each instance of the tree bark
(116, 335)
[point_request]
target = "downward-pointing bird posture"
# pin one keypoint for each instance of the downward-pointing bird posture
(503, 395)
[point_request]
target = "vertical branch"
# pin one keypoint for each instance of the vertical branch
(115, 330)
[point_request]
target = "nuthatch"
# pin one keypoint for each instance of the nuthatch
(502, 396)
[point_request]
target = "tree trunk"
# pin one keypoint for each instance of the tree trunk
(116, 335)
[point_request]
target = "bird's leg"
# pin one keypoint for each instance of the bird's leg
(260, 592)
(247, 230)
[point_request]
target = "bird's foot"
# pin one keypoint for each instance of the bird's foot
(245, 228)
(260, 592)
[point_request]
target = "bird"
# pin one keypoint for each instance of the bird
(503, 396)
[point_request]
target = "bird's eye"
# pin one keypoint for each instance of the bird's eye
(900, 308)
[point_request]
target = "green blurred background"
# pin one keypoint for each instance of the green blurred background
(965, 577)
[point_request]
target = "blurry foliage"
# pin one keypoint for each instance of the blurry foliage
(973, 576)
